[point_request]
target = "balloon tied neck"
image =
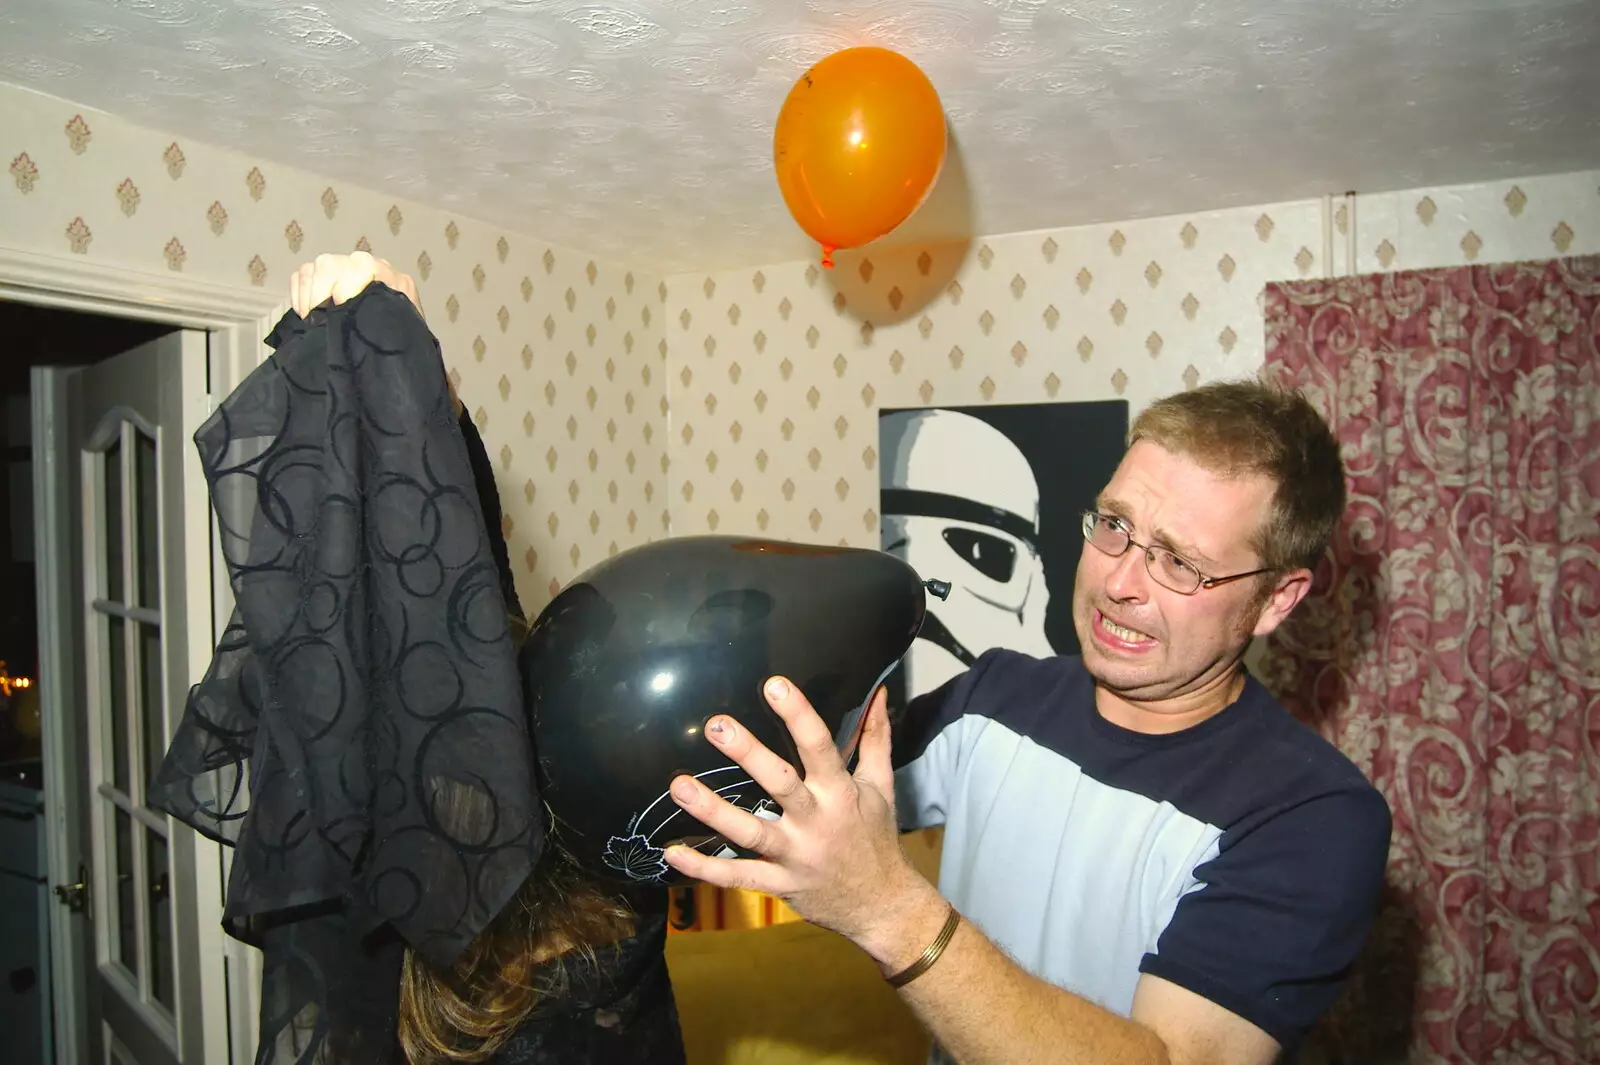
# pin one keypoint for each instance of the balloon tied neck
(827, 256)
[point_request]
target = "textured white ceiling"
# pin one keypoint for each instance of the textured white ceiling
(641, 129)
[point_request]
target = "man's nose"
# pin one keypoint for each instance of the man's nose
(1129, 580)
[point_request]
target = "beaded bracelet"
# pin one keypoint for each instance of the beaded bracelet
(931, 955)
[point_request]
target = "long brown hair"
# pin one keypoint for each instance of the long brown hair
(467, 1013)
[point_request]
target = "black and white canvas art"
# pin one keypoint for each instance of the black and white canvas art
(991, 500)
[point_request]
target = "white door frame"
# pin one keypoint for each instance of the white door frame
(238, 318)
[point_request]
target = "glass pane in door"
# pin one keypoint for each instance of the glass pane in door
(116, 701)
(150, 709)
(147, 508)
(113, 522)
(159, 899)
(126, 940)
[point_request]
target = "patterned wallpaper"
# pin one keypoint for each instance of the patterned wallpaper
(557, 353)
(775, 374)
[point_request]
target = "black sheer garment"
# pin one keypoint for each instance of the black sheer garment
(359, 738)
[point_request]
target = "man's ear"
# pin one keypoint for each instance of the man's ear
(1287, 591)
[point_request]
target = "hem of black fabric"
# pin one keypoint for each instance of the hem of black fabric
(1238, 710)
(1287, 1035)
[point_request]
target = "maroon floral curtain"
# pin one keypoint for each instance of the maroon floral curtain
(1452, 646)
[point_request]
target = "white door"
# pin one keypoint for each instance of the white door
(119, 541)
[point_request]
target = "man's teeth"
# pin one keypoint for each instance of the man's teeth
(1131, 635)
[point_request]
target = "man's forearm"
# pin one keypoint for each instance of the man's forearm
(986, 1010)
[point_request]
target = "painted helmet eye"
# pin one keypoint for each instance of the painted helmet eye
(990, 555)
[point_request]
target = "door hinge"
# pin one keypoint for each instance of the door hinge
(75, 897)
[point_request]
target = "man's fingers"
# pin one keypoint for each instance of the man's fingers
(874, 764)
(771, 773)
(739, 827)
(818, 752)
(744, 874)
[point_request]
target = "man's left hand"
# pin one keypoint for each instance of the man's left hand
(834, 855)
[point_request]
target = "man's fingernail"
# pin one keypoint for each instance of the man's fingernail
(683, 789)
(777, 688)
(719, 729)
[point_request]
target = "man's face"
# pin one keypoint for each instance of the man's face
(1141, 640)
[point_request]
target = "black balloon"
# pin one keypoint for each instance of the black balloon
(624, 668)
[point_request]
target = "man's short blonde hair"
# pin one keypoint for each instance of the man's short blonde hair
(1236, 428)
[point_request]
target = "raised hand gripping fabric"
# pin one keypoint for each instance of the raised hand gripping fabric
(359, 737)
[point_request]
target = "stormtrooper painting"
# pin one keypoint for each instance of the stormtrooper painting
(964, 501)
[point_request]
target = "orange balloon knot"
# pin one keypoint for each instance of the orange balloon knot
(827, 257)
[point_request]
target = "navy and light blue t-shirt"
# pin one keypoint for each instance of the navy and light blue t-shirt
(1241, 858)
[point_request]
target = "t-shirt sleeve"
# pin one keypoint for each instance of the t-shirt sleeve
(1274, 926)
(928, 746)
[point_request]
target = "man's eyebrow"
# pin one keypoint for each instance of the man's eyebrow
(1160, 537)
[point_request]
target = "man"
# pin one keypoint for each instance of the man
(1145, 859)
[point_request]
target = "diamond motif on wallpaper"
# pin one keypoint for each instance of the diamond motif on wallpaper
(1341, 218)
(1084, 279)
(24, 172)
(478, 277)
(330, 202)
(925, 326)
(986, 388)
(924, 264)
(549, 327)
(839, 303)
(78, 135)
(128, 196)
(175, 254)
(956, 355)
(760, 341)
(840, 365)
(1426, 209)
(363, 245)
(813, 397)
(480, 418)
(452, 307)
(788, 491)
(759, 281)
(1471, 245)
(712, 521)
(424, 265)
(256, 269)
(530, 559)
(762, 519)
(785, 308)
(502, 248)
(985, 256)
(711, 403)
(78, 236)
(1561, 237)
(868, 394)
(1119, 381)
(736, 490)
(760, 401)
(296, 237)
(1191, 377)
(814, 459)
(735, 432)
(986, 322)
(841, 488)
(1119, 312)
(955, 292)
(869, 458)
(1049, 249)
(785, 369)
(1303, 260)
(1190, 306)
(1227, 338)
(175, 162)
(1225, 267)
(528, 423)
(1052, 317)
(572, 491)
(550, 393)
(1117, 242)
(1152, 273)
(1188, 234)
(896, 361)
(452, 233)
(549, 260)
(589, 335)
(505, 457)
(1264, 227)
(1153, 344)
(1085, 348)
(896, 297)
(733, 313)
(841, 426)
(1019, 353)
(925, 391)
(505, 388)
(1052, 385)
(1018, 286)
(761, 461)
(814, 519)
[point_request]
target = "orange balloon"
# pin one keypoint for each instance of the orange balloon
(858, 146)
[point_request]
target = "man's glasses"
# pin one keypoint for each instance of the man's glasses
(1167, 568)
